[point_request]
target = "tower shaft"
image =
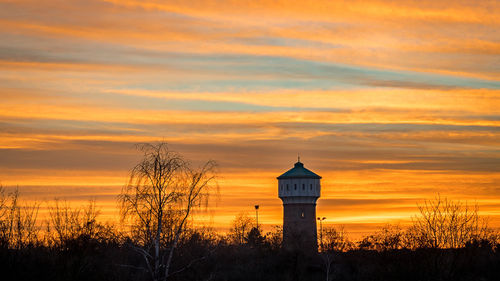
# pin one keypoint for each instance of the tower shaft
(299, 226)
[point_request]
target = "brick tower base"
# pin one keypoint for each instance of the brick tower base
(299, 227)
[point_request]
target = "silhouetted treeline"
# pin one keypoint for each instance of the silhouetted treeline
(206, 256)
(74, 245)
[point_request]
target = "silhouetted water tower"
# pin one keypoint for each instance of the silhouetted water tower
(299, 188)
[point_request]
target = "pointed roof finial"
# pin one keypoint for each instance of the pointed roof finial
(298, 157)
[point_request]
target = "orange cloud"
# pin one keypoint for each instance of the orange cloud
(399, 35)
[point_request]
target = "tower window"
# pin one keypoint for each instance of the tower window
(281, 187)
(302, 214)
(295, 186)
(287, 187)
(311, 187)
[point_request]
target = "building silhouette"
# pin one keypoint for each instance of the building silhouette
(299, 188)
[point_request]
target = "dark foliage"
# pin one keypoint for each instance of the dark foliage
(204, 257)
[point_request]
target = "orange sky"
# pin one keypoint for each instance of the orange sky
(392, 102)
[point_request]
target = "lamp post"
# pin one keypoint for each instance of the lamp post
(321, 231)
(257, 215)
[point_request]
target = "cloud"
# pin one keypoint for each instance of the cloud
(415, 38)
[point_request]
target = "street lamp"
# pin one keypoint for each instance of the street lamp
(257, 215)
(321, 231)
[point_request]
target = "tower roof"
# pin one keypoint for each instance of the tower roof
(298, 171)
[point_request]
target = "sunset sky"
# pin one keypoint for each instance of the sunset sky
(391, 102)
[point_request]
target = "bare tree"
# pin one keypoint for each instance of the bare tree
(241, 225)
(388, 237)
(4, 222)
(18, 223)
(275, 237)
(7, 216)
(336, 239)
(162, 191)
(67, 223)
(27, 228)
(444, 223)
